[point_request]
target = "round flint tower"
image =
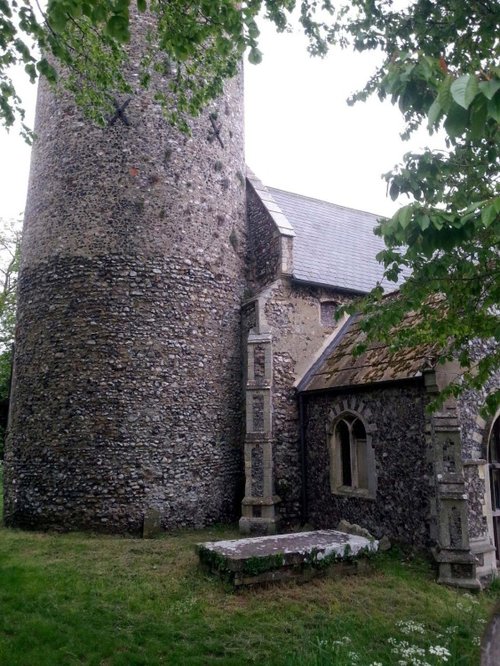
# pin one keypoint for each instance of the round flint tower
(126, 390)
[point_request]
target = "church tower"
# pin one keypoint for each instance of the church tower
(126, 394)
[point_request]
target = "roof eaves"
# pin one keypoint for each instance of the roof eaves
(328, 285)
(366, 387)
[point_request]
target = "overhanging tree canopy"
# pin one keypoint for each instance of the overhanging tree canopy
(441, 67)
(202, 41)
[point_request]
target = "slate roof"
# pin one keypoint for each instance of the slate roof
(338, 367)
(333, 245)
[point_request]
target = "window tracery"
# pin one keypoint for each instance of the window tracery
(352, 464)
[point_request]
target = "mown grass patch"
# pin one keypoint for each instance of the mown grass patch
(83, 599)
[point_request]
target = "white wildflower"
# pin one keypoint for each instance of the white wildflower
(440, 652)
(345, 640)
(410, 627)
(472, 600)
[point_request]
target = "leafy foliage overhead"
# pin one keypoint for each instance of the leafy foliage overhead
(441, 67)
(201, 42)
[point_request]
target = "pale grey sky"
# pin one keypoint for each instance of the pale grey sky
(300, 134)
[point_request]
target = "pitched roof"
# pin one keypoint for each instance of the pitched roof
(338, 367)
(333, 245)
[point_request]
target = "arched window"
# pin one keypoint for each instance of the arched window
(352, 464)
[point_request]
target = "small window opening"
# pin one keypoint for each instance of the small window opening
(327, 312)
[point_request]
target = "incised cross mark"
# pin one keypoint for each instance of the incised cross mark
(120, 113)
(215, 132)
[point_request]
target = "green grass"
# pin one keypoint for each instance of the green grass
(82, 599)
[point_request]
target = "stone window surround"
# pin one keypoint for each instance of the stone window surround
(334, 450)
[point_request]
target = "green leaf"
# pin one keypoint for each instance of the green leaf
(489, 88)
(254, 56)
(437, 222)
(424, 222)
(473, 207)
(46, 69)
(489, 215)
(141, 5)
(434, 114)
(444, 96)
(58, 18)
(394, 191)
(99, 13)
(456, 121)
(464, 89)
(117, 27)
(30, 70)
(494, 108)
(405, 215)
(478, 113)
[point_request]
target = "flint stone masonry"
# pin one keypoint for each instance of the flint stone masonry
(127, 380)
(475, 484)
(278, 557)
(293, 314)
(396, 419)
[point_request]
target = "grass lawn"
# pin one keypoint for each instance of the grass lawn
(83, 599)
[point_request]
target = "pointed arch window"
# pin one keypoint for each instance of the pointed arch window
(352, 464)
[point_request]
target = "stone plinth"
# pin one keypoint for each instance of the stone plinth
(286, 556)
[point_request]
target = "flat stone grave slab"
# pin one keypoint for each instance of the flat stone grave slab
(300, 555)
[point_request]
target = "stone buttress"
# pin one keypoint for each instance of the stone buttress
(127, 377)
(450, 528)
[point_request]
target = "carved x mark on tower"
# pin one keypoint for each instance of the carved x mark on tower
(120, 113)
(215, 132)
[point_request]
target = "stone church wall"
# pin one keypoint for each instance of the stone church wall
(396, 419)
(264, 242)
(293, 313)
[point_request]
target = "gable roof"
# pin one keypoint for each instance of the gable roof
(333, 245)
(339, 368)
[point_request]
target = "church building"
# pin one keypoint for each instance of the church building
(331, 436)
(178, 354)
